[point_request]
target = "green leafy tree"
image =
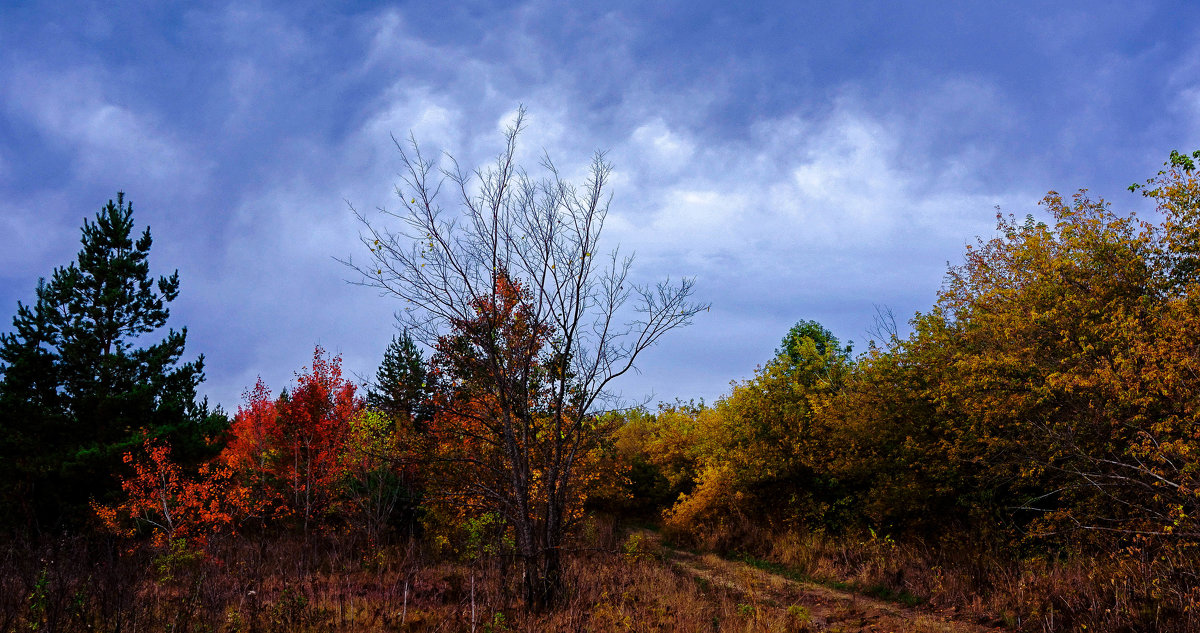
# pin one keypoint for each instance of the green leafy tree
(792, 349)
(77, 390)
(763, 452)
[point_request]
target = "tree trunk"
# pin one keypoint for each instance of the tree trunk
(542, 579)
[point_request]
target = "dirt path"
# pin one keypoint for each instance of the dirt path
(828, 609)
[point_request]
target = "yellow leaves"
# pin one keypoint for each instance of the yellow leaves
(701, 513)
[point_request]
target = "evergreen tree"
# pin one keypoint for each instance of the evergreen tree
(402, 382)
(77, 391)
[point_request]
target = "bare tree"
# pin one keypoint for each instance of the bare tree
(883, 325)
(582, 324)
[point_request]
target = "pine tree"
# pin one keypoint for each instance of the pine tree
(402, 382)
(77, 391)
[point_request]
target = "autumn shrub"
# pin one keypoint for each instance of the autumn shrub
(713, 516)
(316, 459)
(176, 508)
(1030, 446)
(765, 456)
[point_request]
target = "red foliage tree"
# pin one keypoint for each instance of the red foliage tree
(313, 426)
(291, 450)
(253, 437)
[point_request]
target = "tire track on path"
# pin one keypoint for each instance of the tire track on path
(828, 609)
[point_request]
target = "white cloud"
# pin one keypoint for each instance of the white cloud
(839, 188)
(413, 109)
(805, 216)
(668, 151)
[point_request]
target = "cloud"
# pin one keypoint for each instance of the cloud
(816, 213)
(665, 151)
(790, 186)
(817, 216)
(839, 183)
(110, 141)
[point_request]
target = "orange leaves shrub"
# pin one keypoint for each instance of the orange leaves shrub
(171, 504)
(252, 450)
(1053, 389)
(713, 515)
(1049, 347)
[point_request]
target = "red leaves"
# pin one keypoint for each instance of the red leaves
(253, 433)
(499, 345)
(312, 428)
(291, 450)
(285, 457)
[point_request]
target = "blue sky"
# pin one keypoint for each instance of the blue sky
(803, 160)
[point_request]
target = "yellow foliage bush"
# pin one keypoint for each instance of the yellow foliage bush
(713, 516)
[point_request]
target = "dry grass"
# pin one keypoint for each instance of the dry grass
(330, 584)
(1126, 590)
(1120, 589)
(285, 584)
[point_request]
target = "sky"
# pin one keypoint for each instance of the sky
(800, 160)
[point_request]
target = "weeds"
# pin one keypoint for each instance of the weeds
(277, 584)
(272, 584)
(1126, 590)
